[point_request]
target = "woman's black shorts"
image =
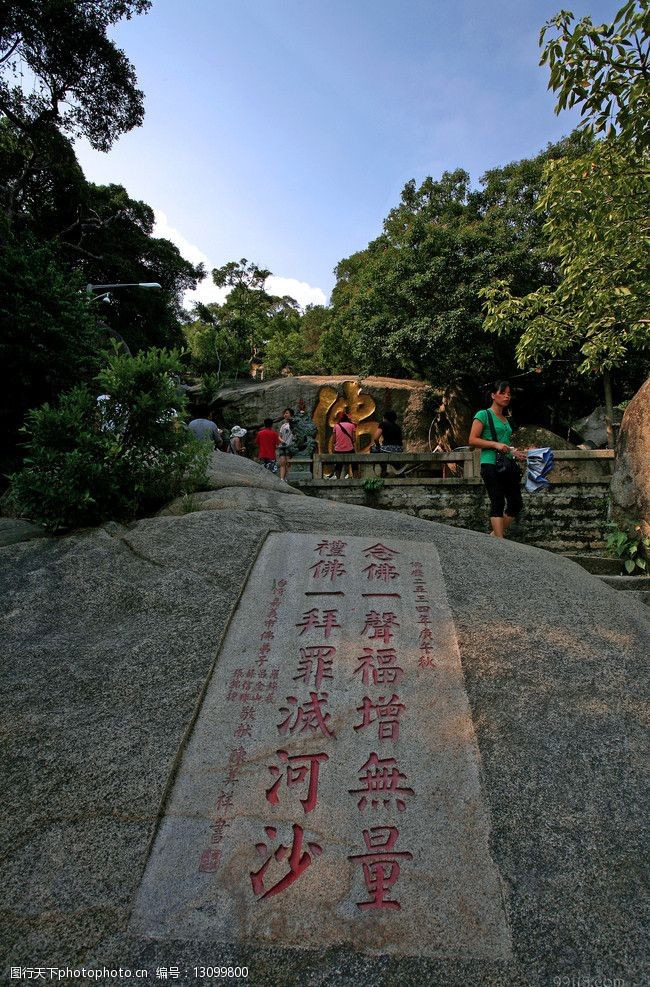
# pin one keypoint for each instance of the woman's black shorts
(504, 491)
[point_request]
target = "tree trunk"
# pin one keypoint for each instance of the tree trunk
(609, 409)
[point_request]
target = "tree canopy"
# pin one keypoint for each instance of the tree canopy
(61, 77)
(82, 83)
(227, 338)
(596, 206)
(409, 304)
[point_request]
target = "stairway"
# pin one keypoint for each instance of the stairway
(608, 571)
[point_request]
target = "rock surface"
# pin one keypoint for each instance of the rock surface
(593, 428)
(110, 638)
(416, 404)
(630, 487)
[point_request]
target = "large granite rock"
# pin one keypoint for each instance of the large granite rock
(593, 428)
(418, 406)
(110, 639)
(630, 489)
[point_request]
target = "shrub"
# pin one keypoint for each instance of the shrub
(90, 460)
(629, 546)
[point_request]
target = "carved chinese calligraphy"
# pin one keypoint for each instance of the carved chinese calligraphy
(330, 790)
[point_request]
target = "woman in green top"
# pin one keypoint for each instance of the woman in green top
(503, 489)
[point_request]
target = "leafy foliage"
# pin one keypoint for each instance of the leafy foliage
(604, 68)
(60, 77)
(83, 84)
(50, 339)
(409, 304)
(596, 206)
(629, 547)
(88, 461)
(226, 338)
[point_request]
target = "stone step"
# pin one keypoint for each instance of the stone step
(627, 583)
(598, 565)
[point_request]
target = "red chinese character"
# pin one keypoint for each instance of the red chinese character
(385, 713)
(210, 860)
(426, 662)
(379, 667)
(380, 551)
(299, 767)
(381, 570)
(237, 757)
(224, 801)
(247, 713)
(380, 626)
(314, 619)
(383, 781)
(328, 567)
(244, 730)
(426, 634)
(380, 868)
(331, 547)
(317, 662)
(267, 636)
(298, 862)
(218, 827)
(307, 717)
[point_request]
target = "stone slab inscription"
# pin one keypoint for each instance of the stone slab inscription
(330, 790)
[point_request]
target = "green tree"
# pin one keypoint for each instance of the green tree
(409, 304)
(58, 68)
(598, 225)
(603, 69)
(50, 338)
(89, 461)
(596, 208)
(115, 244)
(226, 338)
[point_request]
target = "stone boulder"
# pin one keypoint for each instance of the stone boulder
(630, 489)
(111, 640)
(425, 414)
(593, 428)
(535, 437)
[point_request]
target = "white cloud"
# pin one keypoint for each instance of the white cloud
(208, 292)
(303, 293)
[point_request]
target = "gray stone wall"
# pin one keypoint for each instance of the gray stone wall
(567, 518)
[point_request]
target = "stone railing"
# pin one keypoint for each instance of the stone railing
(461, 465)
(569, 516)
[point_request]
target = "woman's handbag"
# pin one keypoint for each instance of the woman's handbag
(504, 464)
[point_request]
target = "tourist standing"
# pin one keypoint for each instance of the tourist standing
(267, 440)
(344, 436)
(203, 427)
(285, 448)
(235, 443)
(492, 434)
(389, 433)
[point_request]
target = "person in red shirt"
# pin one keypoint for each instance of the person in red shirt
(267, 442)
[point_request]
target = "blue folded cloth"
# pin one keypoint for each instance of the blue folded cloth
(539, 462)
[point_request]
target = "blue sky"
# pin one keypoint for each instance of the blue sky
(284, 131)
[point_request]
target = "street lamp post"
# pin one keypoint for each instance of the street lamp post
(90, 288)
(104, 295)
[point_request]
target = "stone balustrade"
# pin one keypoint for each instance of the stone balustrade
(569, 516)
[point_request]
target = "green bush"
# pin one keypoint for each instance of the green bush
(629, 546)
(89, 460)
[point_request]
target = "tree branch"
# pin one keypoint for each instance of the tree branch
(11, 50)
